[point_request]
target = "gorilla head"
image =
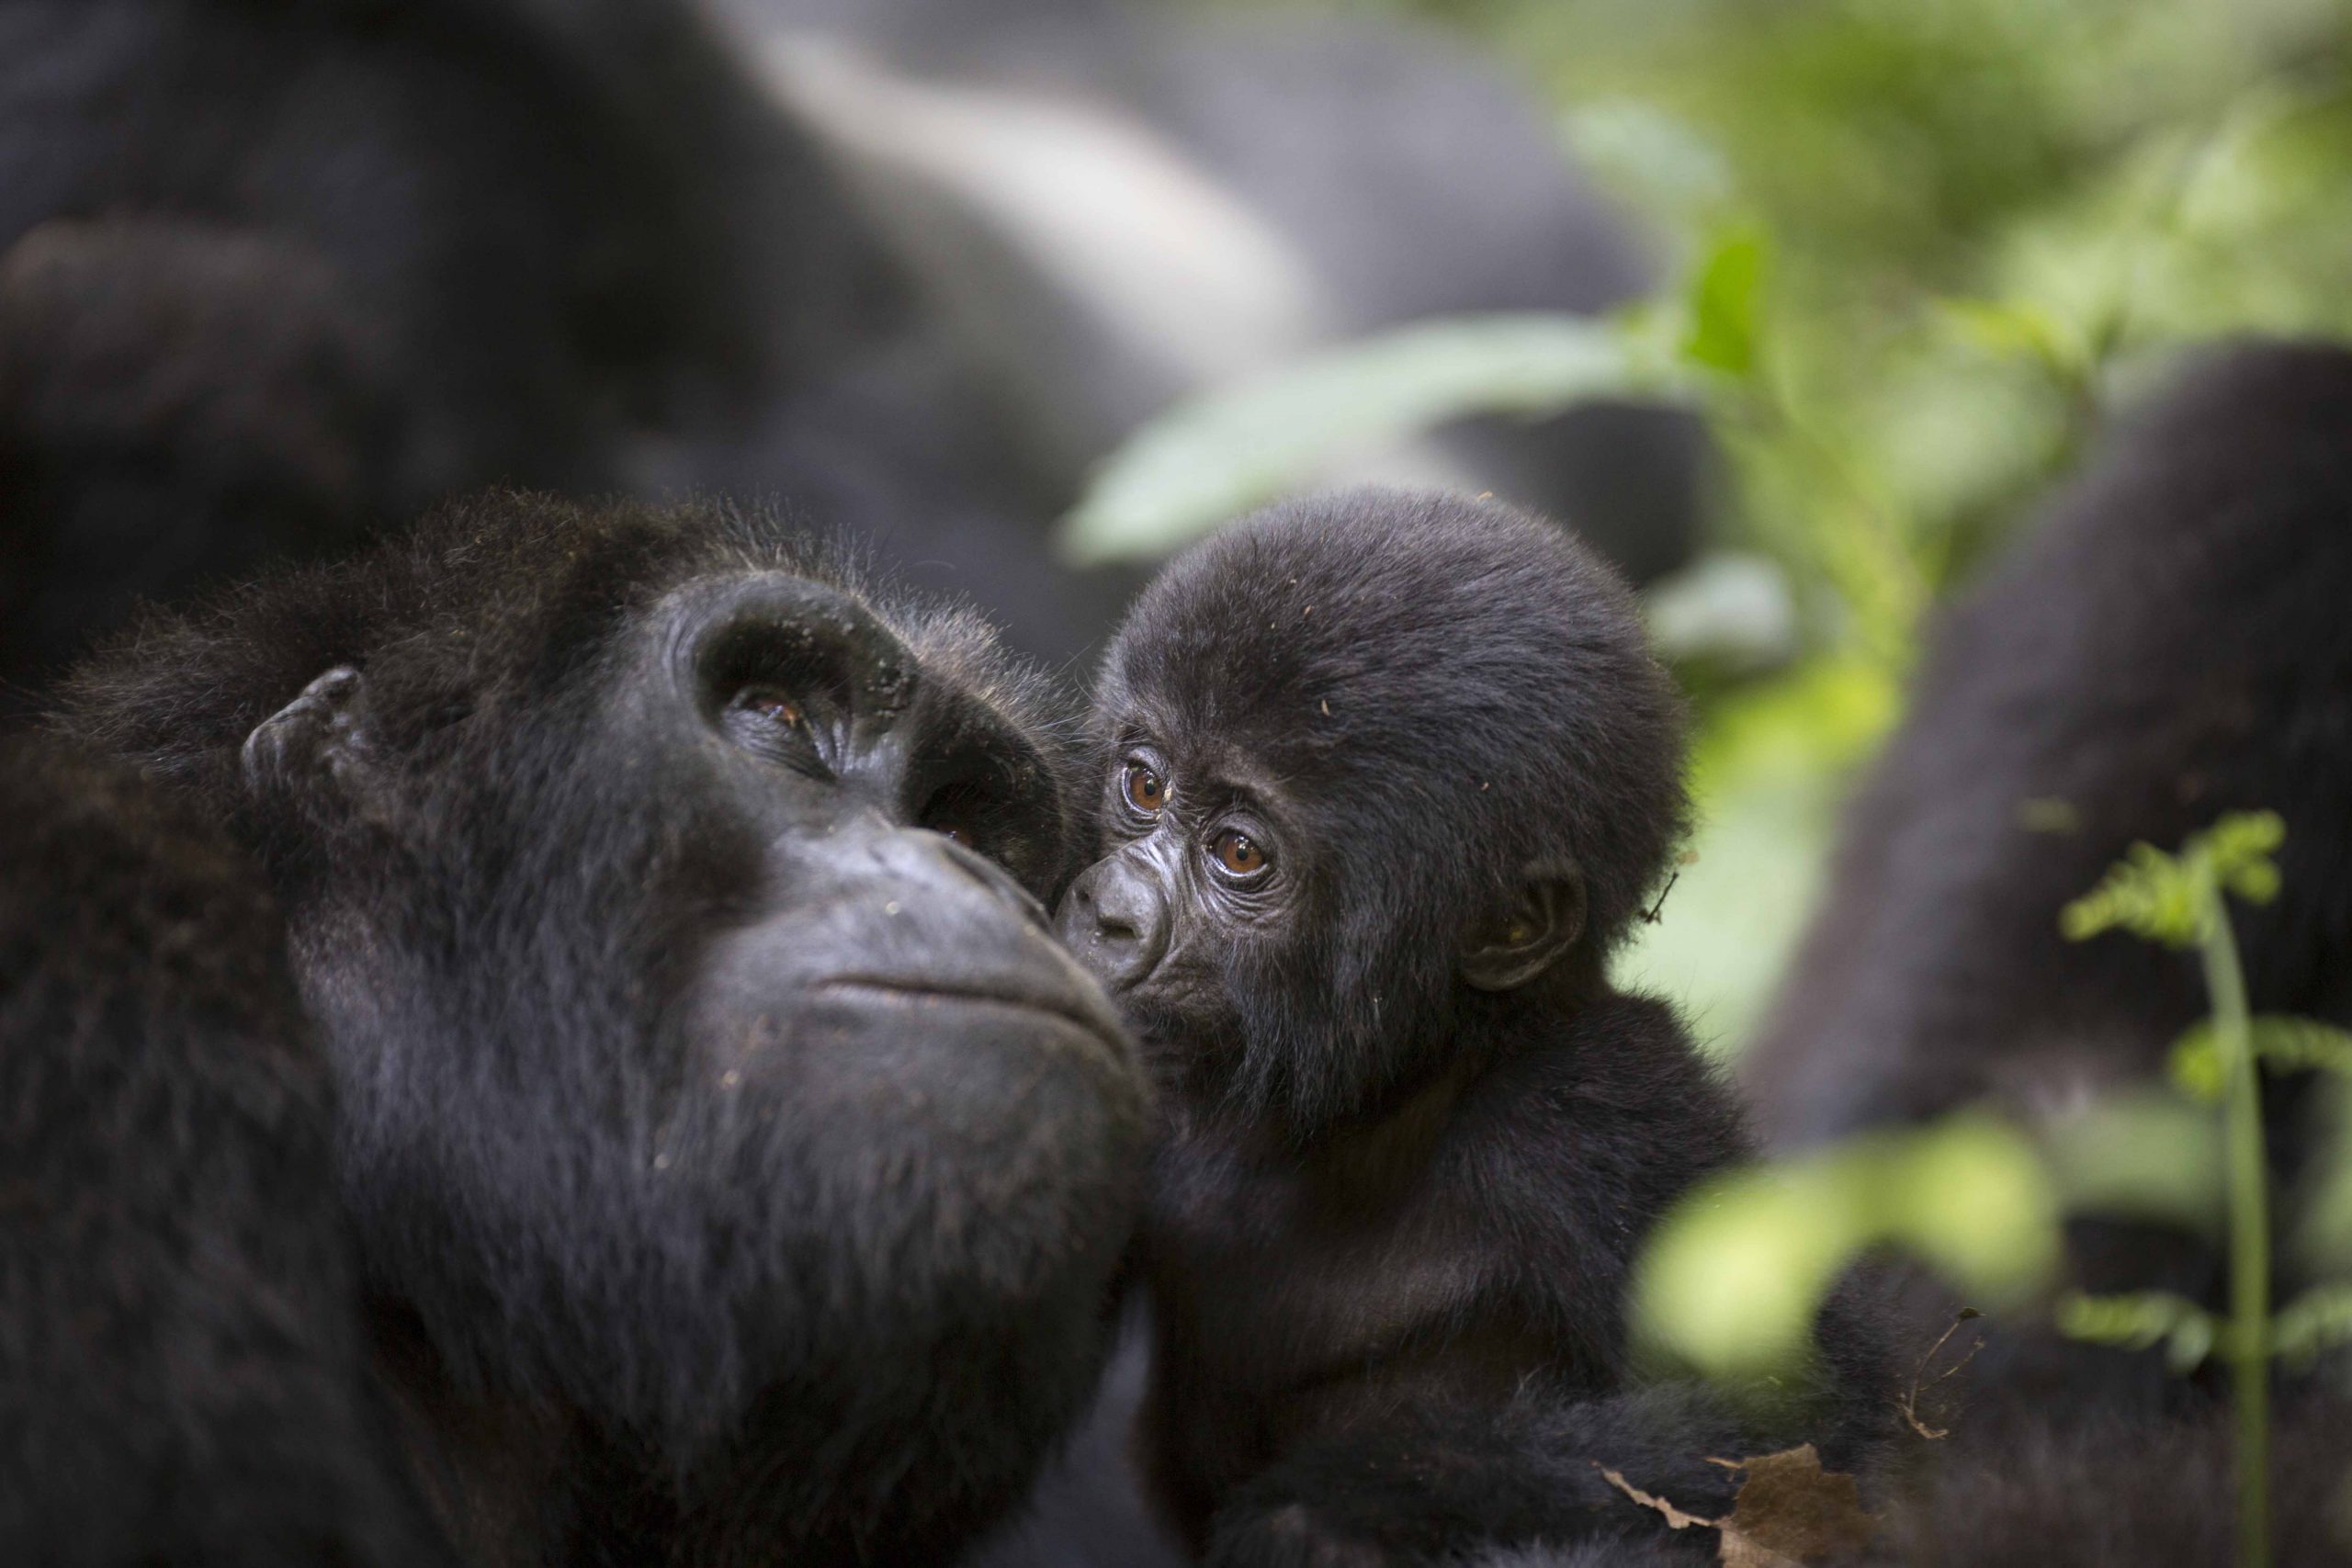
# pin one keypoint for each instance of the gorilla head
(1415, 758)
(738, 1163)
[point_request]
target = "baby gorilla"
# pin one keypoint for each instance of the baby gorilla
(1386, 778)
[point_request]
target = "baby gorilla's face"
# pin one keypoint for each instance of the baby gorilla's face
(1211, 875)
(1369, 767)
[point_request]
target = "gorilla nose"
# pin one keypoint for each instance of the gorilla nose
(1115, 917)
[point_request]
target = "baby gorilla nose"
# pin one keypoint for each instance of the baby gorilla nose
(1115, 917)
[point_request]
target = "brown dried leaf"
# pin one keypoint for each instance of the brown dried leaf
(1790, 1512)
(1675, 1517)
(1738, 1551)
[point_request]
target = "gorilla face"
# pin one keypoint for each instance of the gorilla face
(1366, 760)
(671, 915)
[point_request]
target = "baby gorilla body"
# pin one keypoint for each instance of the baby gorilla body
(1386, 777)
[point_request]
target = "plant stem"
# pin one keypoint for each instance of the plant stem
(2249, 1339)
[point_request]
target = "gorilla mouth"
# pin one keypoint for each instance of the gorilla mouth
(1062, 1008)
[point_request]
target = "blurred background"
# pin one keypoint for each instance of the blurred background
(1981, 224)
(1791, 308)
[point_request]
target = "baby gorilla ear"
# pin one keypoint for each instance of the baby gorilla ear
(315, 747)
(1544, 918)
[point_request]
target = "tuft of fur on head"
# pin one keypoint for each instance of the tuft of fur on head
(1450, 690)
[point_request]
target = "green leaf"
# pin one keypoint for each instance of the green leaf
(2142, 1155)
(2281, 1042)
(2240, 846)
(2135, 1322)
(1724, 299)
(1217, 456)
(2161, 896)
(2317, 1320)
(2018, 330)
(2195, 1065)
(1732, 1278)
(2302, 1045)
(2148, 893)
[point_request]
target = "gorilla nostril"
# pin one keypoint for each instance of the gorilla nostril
(1113, 918)
(978, 868)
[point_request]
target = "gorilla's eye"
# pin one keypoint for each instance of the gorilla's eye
(771, 722)
(1241, 854)
(772, 705)
(1145, 790)
(954, 832)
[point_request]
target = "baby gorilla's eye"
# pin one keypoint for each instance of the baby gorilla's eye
(1239, 854)
(955, 833)
(1145, 790)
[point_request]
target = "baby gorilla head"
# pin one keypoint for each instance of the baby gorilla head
(1375, 767)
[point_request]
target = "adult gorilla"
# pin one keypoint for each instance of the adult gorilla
(735, 1164)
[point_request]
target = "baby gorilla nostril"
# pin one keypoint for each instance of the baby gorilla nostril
(1111, 918)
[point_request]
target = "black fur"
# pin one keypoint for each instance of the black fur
(2124, 1492)
(183, 1378)
(1396, 1202)
(274, 274)
(737, 1172)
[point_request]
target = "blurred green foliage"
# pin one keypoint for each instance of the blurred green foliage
(2175, 899)
(1216, 458)
(1732, 1281)
(1919, 248)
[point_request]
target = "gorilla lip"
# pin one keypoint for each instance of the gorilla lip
(1068, 1012)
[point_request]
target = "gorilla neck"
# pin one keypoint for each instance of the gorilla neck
(514, 1483)
(1369, 1158)
(1422, 1070)
(1368, 1155)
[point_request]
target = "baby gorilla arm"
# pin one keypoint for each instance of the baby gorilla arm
(1428, 1477)
(1416, 1487)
